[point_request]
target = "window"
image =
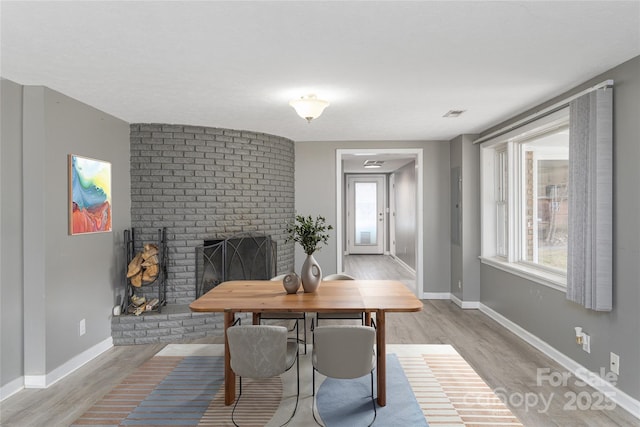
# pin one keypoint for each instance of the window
(545, 174)
(524, 199)
(366, 209)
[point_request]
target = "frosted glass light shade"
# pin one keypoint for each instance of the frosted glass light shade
(309, 107)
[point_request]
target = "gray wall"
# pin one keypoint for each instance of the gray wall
(470, 219)
(316, 195)
(465, 265)
(544, 311)
(64, 278)
(406, 232)
(206, 183)
(455, 153)
(11, 302)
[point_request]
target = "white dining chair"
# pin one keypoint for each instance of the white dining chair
(343, 352)
(262, 351)
(351, 315)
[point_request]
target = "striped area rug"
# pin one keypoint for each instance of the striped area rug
(260, 401)
(451, 393)
(182, 386)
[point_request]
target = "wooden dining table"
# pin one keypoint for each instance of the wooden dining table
(264, 296)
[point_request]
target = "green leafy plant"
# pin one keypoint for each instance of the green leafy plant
(309, 232)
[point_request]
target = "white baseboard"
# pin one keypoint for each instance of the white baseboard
(404, 264)
(11, 388)
(35, 381)
(467, 305)
(44, 381)
(617, 396)
(435, 295)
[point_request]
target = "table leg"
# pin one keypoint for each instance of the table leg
(229, 375)
(381, 365)
(367, 318)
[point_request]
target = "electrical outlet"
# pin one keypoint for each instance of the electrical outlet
(614, 363)
(586, 342)
(83, 327)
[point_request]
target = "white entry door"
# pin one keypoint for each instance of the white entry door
(365, 214)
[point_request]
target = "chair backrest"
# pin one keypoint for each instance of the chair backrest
(338, 276)
(343, 351)
(258, 351)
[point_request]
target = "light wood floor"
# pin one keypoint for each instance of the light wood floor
(505, 362)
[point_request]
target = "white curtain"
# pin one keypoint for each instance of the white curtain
(590, 252)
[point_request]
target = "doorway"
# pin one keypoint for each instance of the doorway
(393, 159)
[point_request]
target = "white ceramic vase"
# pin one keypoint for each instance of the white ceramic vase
(311, 274)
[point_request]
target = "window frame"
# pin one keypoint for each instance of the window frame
(501, 188)
(513, 259)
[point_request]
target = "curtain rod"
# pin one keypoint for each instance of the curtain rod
(544, 112)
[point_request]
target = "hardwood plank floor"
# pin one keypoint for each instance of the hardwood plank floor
(508, 365)
(378, 267)
(504, 361)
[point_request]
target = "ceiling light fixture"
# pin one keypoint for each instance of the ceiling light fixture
(373, 164)
(309, 107)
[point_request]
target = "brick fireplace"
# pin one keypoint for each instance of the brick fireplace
(200, 182)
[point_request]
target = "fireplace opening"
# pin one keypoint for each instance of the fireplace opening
(240, 257)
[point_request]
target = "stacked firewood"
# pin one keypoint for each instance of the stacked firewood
(139, 305)
(144, 267)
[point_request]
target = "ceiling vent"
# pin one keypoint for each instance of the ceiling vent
(454, 113)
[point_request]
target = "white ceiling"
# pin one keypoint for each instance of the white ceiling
(390, 69)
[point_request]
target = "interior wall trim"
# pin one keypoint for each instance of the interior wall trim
(616, 395)
(435, 295)
(466, 305)
(403, 264)
(11, 388)
(46, 380)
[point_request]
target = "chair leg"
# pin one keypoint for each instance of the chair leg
(295, 408)
(297, 326)
(298, 374)
(304, 322)
(313, 397)
(233, 412)
(373, 402)
(298, 333)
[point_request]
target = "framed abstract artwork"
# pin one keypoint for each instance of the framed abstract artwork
(89, 195)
